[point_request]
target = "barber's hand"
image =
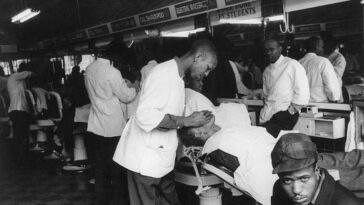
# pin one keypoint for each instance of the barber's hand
(197, 119)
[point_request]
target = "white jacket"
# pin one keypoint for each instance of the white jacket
(284, 82)
(143, 148)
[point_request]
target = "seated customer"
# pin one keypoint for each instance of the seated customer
(301, 181)
(250, 145)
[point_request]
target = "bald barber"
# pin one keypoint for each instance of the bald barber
(148, 145)
(285, 90)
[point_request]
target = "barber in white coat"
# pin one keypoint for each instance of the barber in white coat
(324, 85)
(285, 90)
(147, 147)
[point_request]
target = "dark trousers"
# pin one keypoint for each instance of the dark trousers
(144, 190)
(110, 179)
(21, 122)
(282, 120)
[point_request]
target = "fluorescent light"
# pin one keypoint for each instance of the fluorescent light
(29, 16)
(362, 1)
(252, 21)
(24, 16)
(276, 18)
(246, 21)
(181, 34)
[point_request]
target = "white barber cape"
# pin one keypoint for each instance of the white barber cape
(324, 85)
(108, 94)
(226, 114)
(143, 148)
(252, 146)
(284, 82)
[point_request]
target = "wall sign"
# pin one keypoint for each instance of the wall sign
(155, 16)
(308, 28)
(123, 24)
(247, 10)
(230, 2)
(98, 31)
(192, 7)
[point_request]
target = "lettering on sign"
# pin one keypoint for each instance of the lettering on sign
(230, 2)
(154, 16)
(237, 11)
(123, 24)
(98, 31)
(192, 7)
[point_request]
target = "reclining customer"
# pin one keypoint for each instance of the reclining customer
(251, 145)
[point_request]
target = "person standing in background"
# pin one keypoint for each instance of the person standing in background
(109, 94)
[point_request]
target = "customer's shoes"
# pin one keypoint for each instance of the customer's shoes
(78, 166)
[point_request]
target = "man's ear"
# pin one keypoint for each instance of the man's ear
(317, 172)
(198, 56)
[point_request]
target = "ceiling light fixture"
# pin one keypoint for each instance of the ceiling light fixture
(255, 21)
(181, 34)
(24, 15)
(362, 1)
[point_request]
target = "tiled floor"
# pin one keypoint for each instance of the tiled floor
(35, 181)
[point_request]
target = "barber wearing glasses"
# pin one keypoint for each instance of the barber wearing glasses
(301, 181)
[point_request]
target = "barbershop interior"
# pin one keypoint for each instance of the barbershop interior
(190, 102)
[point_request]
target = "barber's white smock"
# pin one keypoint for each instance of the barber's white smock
(284, 82)
(108, 93)
(338, 61)
(16, 88)
(143, 148)
(252, 146)
(324, 85)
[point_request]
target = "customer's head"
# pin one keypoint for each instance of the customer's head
(204, 56)
(294, 159)
(315, 45)
(273, 50)
(197, 136)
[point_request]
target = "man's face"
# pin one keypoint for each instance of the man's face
(273, 50)
(197, 84)
(300, 186)
(204, 132)
(203, 64)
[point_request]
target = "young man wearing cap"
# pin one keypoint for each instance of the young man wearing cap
(301, 181)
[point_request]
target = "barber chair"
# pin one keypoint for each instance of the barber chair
(4, 118)
(207, 175)
(41, 124)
